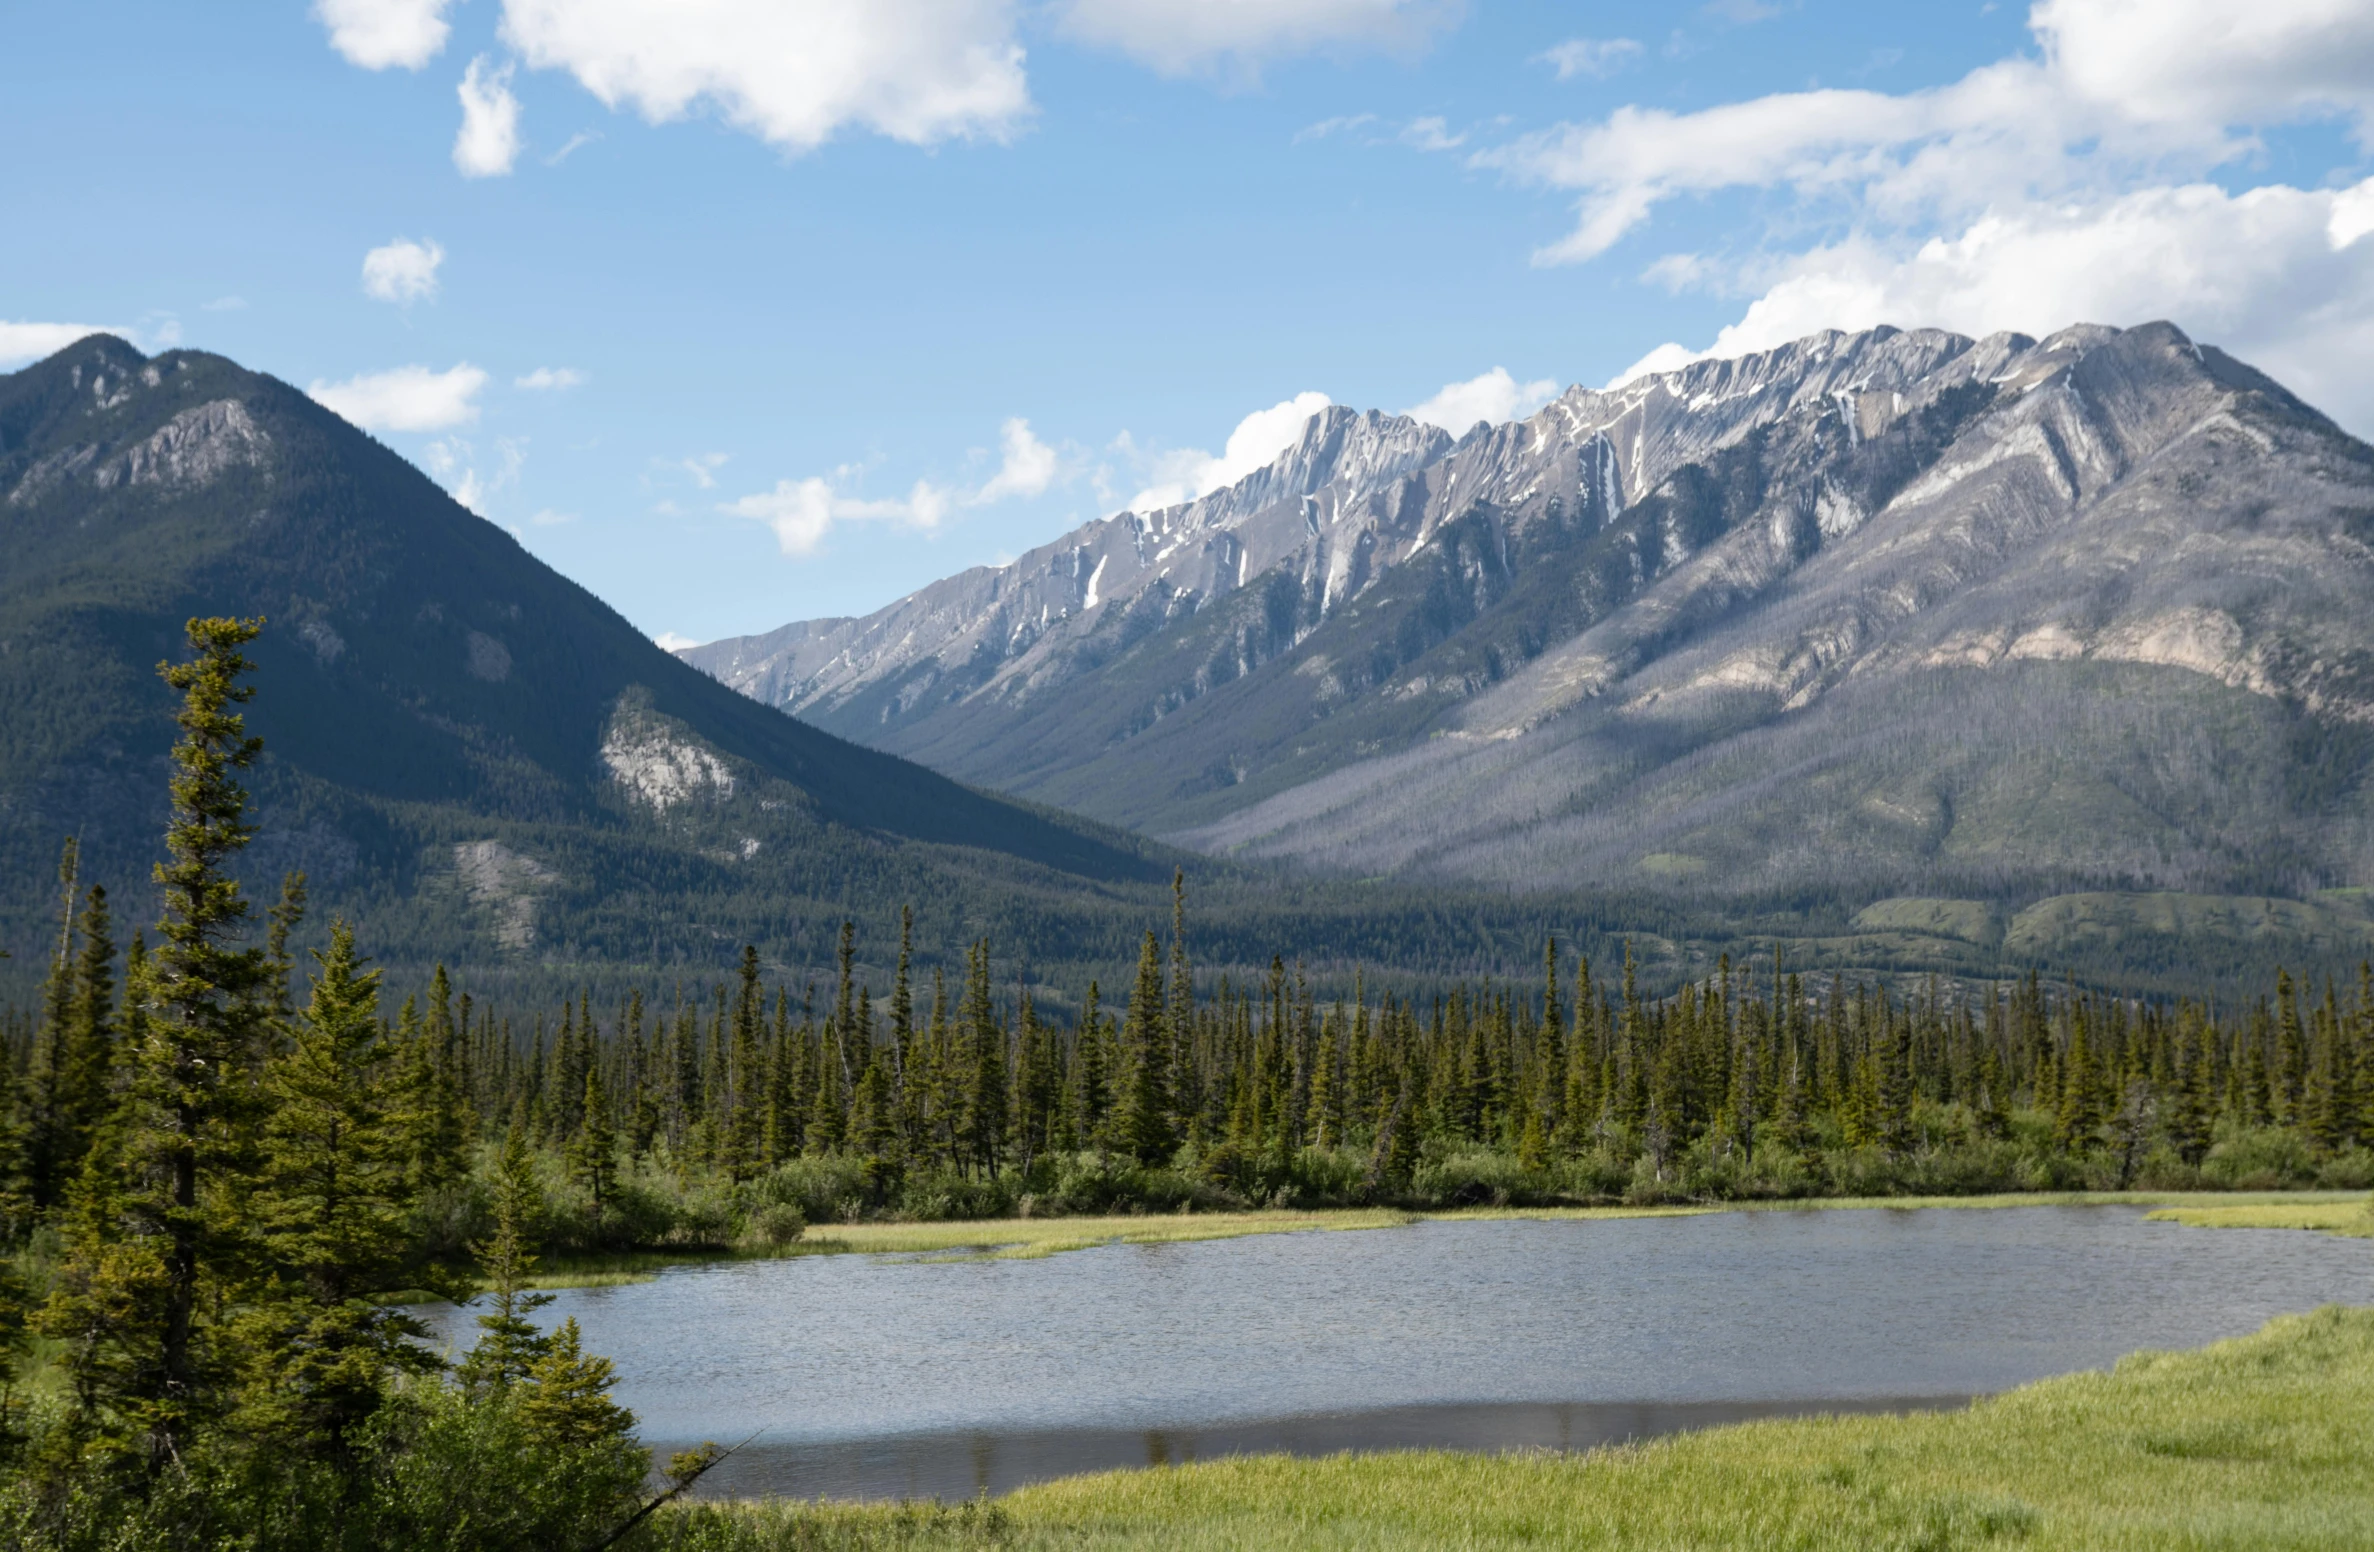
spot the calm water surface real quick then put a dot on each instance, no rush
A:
(886, 1376)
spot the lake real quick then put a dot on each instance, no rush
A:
(886, 1376)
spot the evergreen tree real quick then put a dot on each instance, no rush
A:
(509, 1343)
(1144, 1125)
(330, 1217)
(1092, 1098)
(982, 1126)
(190, 1128)
(566, 1401)
(48, 1100)
(593, 1155)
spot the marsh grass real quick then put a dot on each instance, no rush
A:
(1022, 1239)
(2351, 1218)
(2255, 1442)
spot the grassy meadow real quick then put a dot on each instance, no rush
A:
(2261, 1441)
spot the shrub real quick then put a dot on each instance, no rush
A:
(2263, 1158)
(774, 1226)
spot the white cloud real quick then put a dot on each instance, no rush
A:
(548, 518)
(403, 271)
(792, 72)
(224, 304)
(1186, 473)
(31, 341)
(703, 468)
(1595, 57)
(802, 512)
(1431, 134)
(669, 641)
(1342, 123)
(455, 461)
(407, 398)
(547, 378)
(2193, 61)
(2124, 88)
(378, 33)
(488, 142)
(1029, 465)
(1181, 37)
(575, 143)
(1493, 397)
(2282, 277)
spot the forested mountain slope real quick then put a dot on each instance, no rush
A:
(477, 755)
(1895, 613)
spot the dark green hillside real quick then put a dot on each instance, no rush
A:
(436, 703)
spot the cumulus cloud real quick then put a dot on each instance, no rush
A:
(802, 512)
(407, 398)
(378, 33)
(1186, 473)
(1183, 37)
(1493, 397)
(1029, 465)
(1595, 57)
(488, 142)
(2184, 62)
(21, 342)
(403, 271)
(669, 641)
(2122, 89)
(545, 379)
(792, 72)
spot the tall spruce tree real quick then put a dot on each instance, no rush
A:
(329, 1214)
(177, 1249)
(1145, 1127)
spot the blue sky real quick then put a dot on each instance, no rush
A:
(748, 311)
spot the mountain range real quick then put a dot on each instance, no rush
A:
(1936, 630)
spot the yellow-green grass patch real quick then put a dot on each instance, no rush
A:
(2255, 1442)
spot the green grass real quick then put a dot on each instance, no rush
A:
(1018, 1239)
(2351, 1217)
(2255, 1442)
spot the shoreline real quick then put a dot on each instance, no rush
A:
(1015, 1239)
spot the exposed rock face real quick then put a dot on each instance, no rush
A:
(506, 885)
(1895, 605)
(661, 765)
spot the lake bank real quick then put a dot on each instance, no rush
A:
(1030, 1238)
(2253, 1441)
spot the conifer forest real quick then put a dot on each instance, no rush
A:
(229, 1164)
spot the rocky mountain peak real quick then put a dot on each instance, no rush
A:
(1509, 655)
